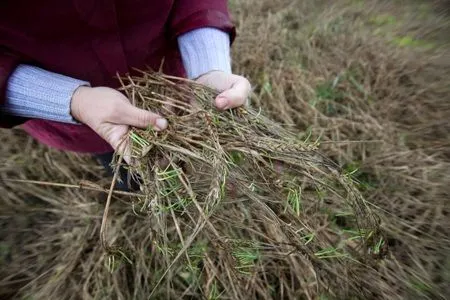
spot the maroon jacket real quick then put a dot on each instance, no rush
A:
(92, 40)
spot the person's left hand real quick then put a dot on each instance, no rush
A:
(234, 89)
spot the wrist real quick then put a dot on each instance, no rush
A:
(77, 102)
(206, 74)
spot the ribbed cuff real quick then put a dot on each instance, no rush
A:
(204, 50)
(36, 93)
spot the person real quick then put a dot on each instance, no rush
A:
(59, 60)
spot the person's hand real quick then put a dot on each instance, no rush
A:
(234, 89)
(109, 113)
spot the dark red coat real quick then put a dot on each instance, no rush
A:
(92, 40)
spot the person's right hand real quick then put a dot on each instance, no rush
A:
(109, 113)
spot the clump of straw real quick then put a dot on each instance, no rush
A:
(240, 198)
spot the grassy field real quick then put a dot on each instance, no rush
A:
(368, 79)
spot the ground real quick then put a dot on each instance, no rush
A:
(367, 79)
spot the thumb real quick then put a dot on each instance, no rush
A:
(235, 96)
(141, 118)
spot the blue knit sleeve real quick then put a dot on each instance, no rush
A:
(36, 93)
(203, 50)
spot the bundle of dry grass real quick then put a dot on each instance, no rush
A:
(234, 201)
(241, 209)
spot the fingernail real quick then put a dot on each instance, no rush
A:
(161, 124)
(221, 103)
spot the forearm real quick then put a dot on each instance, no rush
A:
(203, 50)
(32, 92)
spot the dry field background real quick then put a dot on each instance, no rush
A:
(369, 79)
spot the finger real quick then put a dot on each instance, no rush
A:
(133, 116)
(116, 136)
(235, 96)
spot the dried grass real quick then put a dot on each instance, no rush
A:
(196, 235)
